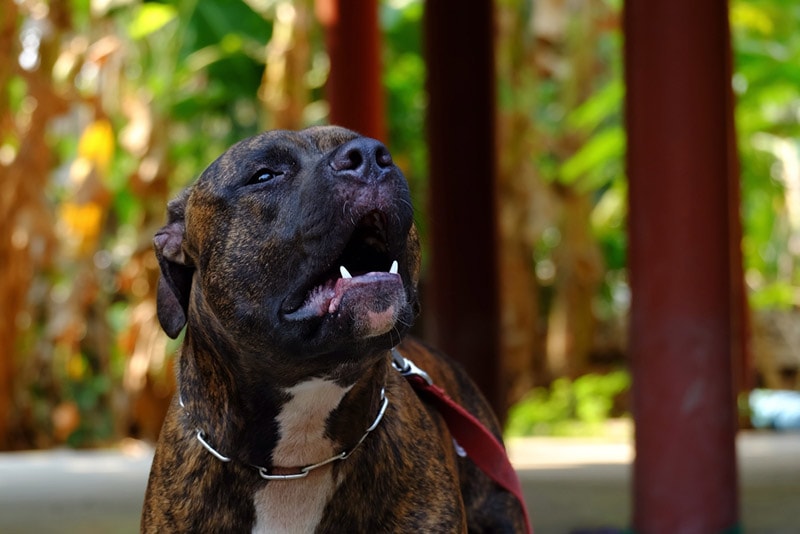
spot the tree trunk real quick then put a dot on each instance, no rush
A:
(284, 91)
(524, 206)
(580, 268)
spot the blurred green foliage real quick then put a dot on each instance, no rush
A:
(569, 408)
(767, 87)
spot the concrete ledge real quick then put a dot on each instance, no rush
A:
(583, 485)
(571, 485)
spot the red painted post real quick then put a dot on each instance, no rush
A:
(682, 313)
(354, 89)
(461, 302)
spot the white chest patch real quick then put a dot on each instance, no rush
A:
(297, 505)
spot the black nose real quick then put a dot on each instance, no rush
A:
(362, 159)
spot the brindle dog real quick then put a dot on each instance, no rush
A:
(292, 263)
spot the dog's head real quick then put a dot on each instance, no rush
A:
(286, 245)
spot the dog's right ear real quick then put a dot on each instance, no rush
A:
(175, 282)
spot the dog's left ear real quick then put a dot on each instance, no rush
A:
(175, 282)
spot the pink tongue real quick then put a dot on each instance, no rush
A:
(326, 298)
(345, 284)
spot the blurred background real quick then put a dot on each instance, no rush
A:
(109, 107)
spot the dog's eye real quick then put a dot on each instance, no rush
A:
(263, 176)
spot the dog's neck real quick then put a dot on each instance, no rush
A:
(265, 420)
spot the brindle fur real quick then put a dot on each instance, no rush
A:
(229, 257)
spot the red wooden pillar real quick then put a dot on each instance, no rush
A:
(460, 306)
(683, 332)
(354, 88)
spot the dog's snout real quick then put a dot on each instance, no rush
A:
(362, 158)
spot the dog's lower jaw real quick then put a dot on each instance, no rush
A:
(377, 323)
(374, 305)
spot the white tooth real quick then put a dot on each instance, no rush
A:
(393, 268)
(345, 272)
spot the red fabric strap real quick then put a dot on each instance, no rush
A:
(482, 447)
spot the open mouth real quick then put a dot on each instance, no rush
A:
(366, 260)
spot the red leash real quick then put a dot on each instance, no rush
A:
(483, 448)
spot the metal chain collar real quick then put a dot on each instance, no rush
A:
(403, 365)
(303, 471)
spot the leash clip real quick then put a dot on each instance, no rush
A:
(407, 368)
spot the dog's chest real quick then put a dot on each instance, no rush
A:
(293, 506)
(299, 505)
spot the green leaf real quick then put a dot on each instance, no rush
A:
(150, 18)
(602, 106)
(604, 147)
(778, 295)
(751, 17)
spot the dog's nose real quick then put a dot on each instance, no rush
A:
(363, 159)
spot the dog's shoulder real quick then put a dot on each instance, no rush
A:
(449, 375)
(488, 508)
